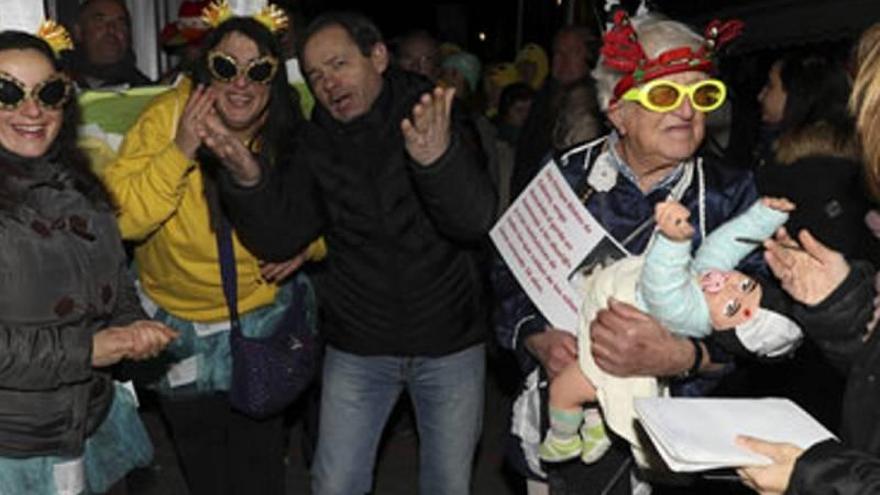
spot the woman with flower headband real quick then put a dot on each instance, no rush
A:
(68, 310)
(654, 85)
(165, 183)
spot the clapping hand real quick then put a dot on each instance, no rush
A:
(233, 154)
(198, 106)
(427, 132)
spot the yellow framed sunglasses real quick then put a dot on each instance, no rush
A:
(661, 95)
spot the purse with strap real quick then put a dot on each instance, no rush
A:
(269, 373)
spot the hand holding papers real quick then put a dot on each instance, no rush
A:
(700, 434)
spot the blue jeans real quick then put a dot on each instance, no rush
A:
(357, 396)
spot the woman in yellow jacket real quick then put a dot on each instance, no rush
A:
(165, 189)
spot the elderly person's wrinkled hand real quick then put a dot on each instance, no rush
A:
(771, 479)
(554, 349)
(427, 133)
(142, 339)
(233, 154)
(809, 271)
(629, 342)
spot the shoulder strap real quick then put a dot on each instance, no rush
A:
(228, 272)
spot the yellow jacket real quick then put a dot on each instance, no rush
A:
(163, 208)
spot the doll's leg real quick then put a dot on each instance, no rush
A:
(568, 391)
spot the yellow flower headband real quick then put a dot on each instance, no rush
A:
(55, 36)
(219, 11)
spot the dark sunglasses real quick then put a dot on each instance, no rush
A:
(50, 94)
(224, 68)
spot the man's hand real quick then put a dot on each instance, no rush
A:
(809, 275)
(277, 272)
(553, 348)
(774, 478)
(233, 154)
(427, 133)
(627, 342)
(198, 106)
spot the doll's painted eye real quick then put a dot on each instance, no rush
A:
(731, 308)
(748, 285)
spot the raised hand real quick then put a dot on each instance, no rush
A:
(233, 154)
(198, 106)
(809, 272)
(427, 133)
(672, 220)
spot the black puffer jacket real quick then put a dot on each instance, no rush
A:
(62, 278)
(838, 325)
(402, 275)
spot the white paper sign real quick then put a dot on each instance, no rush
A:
(544, 237)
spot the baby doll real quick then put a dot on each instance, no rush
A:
(689, 296)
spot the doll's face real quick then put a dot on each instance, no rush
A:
(732, 297)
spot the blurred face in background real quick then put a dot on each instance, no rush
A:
(569, 58)
(773, 96)
(421, 55)
(103, 32)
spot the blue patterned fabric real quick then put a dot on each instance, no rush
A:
(118, 445)
(213, 352)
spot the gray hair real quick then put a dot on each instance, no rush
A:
(657, 34)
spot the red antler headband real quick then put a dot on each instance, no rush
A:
(622, 51)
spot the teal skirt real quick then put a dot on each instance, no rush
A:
(118, 445)
(212, 354)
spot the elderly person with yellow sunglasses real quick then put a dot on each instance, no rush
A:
(654, 83)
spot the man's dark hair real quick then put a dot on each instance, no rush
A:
(64, 150)
(361, 29)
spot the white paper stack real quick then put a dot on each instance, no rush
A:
(697, 434)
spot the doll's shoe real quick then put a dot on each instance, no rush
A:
(595, 440)
(555, 449)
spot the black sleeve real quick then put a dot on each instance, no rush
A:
(828, 468)
(839, 323)
(457, 191)
(281, 215)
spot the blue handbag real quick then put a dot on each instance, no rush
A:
(269, 373)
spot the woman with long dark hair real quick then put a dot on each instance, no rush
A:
(68, 310)
(165, 184)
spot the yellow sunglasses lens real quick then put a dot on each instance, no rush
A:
(707, 96)
(664, 96)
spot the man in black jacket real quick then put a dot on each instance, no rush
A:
(387, 174)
